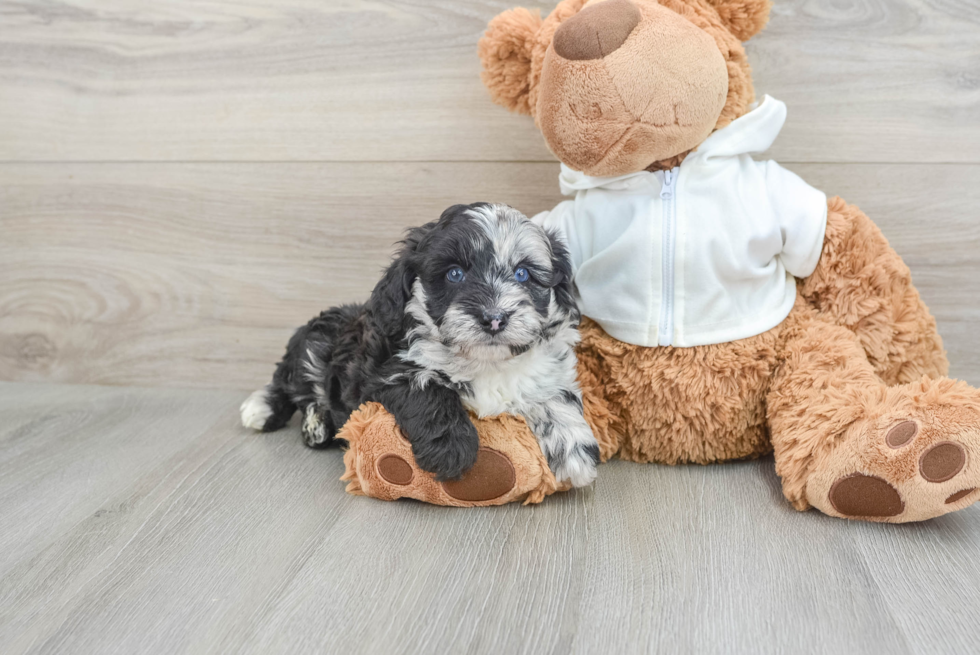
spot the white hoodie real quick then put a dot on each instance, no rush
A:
(705, 253)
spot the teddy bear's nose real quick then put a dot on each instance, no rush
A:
(596, 31)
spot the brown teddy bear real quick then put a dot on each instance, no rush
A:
(733, 310)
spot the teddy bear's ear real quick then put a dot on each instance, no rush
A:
(745, 18)
(505, 51)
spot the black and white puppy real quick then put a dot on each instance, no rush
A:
(475, 313)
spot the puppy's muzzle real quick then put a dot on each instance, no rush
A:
(494, 321)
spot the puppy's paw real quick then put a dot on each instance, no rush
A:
(256, 410)
(577, 466)
(448, 451)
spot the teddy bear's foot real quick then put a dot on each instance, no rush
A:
(509, 465)
(918, 460)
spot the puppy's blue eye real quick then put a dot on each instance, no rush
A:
(521, 274)
(455, 274)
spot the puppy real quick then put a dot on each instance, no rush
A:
(475, 313)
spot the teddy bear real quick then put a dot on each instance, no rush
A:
(730, 310)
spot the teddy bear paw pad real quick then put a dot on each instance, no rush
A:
(860, 495)
(395, 470)
(960, 495)
(942, 462)
(491, 477)
(902, 434)
(906, 470)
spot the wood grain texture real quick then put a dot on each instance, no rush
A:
(195, 275)
(146, 520)
(355, 80)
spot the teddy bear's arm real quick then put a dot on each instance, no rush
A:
(862, 284)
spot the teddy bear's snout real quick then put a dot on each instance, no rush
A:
(596, 31)
(615, 92)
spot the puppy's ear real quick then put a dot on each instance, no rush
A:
(505, 51)
(744, 18)
(561, 280)
(393, 291)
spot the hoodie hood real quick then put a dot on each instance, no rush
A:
(752, 133)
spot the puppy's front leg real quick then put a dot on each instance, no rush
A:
(443, 438)
(565, 438)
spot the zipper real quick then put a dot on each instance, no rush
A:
(667, 195)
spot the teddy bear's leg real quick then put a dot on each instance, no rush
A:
(602, 413)
(862, 284)
(852, 446)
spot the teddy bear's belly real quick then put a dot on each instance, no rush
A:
(701, 405)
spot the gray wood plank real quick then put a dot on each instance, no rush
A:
(55, 449)
(195, 275)
(871, 81)
(256, 80)
(712, 559)
(124, 539)
(202, 538)
(108, 271)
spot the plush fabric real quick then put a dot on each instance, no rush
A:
(848, 392)
(379, 463)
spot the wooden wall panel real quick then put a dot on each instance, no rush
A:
(194, 275)
(380, 80)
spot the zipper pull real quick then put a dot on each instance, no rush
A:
(667, 190)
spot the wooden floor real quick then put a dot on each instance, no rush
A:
(148, 521)
(183, 182)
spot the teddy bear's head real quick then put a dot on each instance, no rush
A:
(619, 86)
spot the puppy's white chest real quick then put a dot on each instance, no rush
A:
(504, 389)
(493, 394)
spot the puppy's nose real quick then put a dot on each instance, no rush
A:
(493, 320)
(596, 31)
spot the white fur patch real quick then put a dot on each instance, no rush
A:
(578, 468)
(516, 384)
(255, 410)
(313, 429)
(315, 373)
(514, 237)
